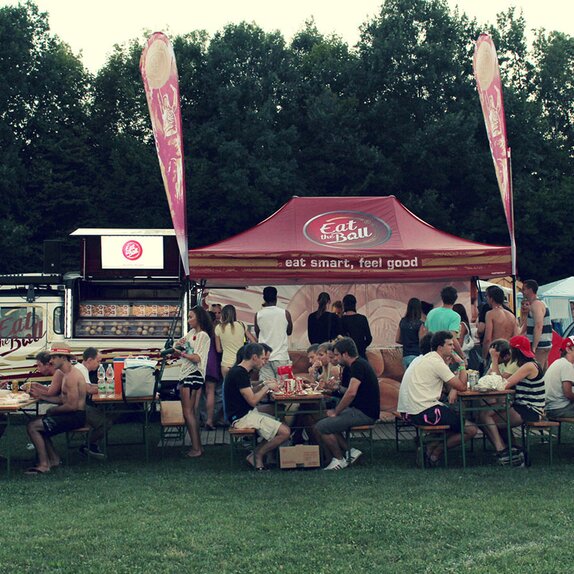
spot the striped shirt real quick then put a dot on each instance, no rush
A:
(546, 335)
(531, 392)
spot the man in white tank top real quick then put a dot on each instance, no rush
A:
(273, 325)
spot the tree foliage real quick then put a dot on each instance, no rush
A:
(265, 119)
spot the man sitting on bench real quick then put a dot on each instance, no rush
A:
(360, 405)
(421, 389)
(241, 405)
(68, 415)
(558, 381)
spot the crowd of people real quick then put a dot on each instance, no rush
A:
(439, 345)
(499, 344)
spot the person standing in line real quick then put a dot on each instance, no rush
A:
(230, 336)
(444, 318)
(273, 325)
(337, 308)
(194, 356)
(355, 325)
(322, 325)
(410, 331)
(538, 324)
(499, 322)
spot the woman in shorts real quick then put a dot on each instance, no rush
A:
(194, 351)
(528, 384)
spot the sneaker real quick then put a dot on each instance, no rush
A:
(337, 464)
(515, 457)
(93, 451)
(353, 454)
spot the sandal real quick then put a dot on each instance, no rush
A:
(35, 471)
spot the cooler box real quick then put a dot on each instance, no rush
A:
(118, 369)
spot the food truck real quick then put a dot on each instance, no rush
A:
(129, 297)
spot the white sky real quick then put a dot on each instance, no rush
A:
(93, 27)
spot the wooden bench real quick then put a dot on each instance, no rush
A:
(401, 426)
(363, 431)
(172, 422)
(560, 420)
(529, 427)
(236, 435)
(71, 443)
(424, 431)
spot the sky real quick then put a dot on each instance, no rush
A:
(94, 27)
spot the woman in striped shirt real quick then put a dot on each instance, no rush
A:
(527, 380)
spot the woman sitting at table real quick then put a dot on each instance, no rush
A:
(527, 380)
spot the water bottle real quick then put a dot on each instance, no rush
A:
(101, 381)
(110, 380)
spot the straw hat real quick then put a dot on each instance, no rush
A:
(60, 349)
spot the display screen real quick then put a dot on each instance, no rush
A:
(136, 252)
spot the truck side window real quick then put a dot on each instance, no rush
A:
(21, 322)
(58, 320)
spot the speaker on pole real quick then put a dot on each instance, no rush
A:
(52, 257)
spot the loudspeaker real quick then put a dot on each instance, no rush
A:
(52, 257)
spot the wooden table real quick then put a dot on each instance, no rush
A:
(9, 410)
(466, 403)
(297, 398)
(117, 401)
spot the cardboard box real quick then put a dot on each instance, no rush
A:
(300, 456)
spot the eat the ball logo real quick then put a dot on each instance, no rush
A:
(132, 250)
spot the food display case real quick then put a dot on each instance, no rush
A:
(131, 319)
(130, 288)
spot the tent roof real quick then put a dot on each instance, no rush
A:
(344, 240)
(560, 288)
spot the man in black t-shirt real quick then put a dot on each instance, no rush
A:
(359, 406)
(241, 404)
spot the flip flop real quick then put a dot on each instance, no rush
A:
(34, 471)
(209, 427)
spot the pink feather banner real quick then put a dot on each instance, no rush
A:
(159, 74)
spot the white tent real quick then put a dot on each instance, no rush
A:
(559, 296)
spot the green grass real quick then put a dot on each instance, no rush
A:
(181, 515)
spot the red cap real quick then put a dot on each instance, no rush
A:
(522, 343)
(567, 343)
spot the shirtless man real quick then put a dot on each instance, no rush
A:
(500, 323)
(46, 369)
(68, 415)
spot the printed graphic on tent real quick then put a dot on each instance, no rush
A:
(317, 240)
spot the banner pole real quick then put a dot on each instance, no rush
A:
(511, 230)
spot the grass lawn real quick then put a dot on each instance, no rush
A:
(183, 515)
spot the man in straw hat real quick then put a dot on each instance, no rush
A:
(68, 415)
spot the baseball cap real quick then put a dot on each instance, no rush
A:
(567, 343)
(522, 343)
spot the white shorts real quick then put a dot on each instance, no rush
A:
(266, 425)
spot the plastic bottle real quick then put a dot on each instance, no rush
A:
(101, 381)
(110, 380)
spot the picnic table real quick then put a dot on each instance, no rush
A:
(475, 401)
(20, 404)
(117, 404)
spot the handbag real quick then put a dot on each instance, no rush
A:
(468, 342)
(139, 378)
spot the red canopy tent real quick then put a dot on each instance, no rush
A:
(317, 240)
